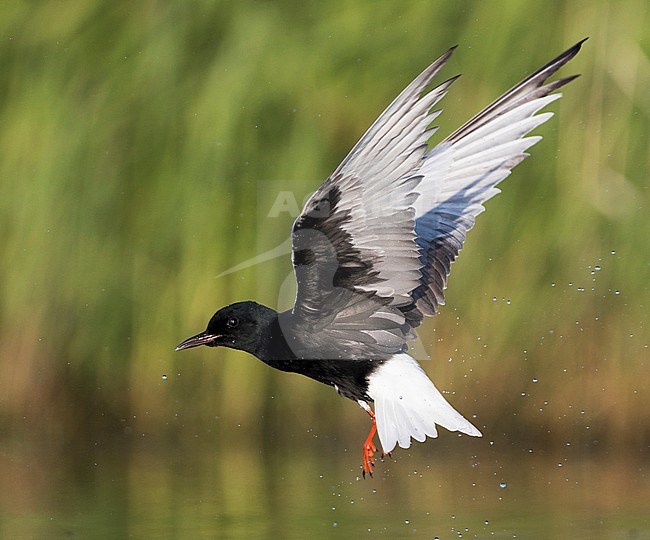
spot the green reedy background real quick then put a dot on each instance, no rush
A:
(144, 144)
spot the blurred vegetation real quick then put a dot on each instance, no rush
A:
(144, 144)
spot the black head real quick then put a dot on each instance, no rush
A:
(238, 326)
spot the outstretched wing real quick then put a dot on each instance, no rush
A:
(354, 246)
(374, 245)
(462, 172)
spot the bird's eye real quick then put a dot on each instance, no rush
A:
(232, 322)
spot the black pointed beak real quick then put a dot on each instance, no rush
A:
(199, 339)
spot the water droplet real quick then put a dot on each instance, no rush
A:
(164, 377)
(503, 485)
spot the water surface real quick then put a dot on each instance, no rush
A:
(450, 488)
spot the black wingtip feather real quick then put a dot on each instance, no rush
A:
(571, 51)
(553, 86)
(554, 65)
(533, 86)
(444, 86)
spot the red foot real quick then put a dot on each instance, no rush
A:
(369, 448)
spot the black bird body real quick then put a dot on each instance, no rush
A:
(372, 250)
(265, 339)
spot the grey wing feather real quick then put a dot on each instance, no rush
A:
(373, 246)
(357, 231)
(462, 172)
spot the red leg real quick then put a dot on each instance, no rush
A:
(369, 448)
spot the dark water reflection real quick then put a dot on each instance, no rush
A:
(450, 488)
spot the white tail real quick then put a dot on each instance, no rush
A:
(408, 405)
